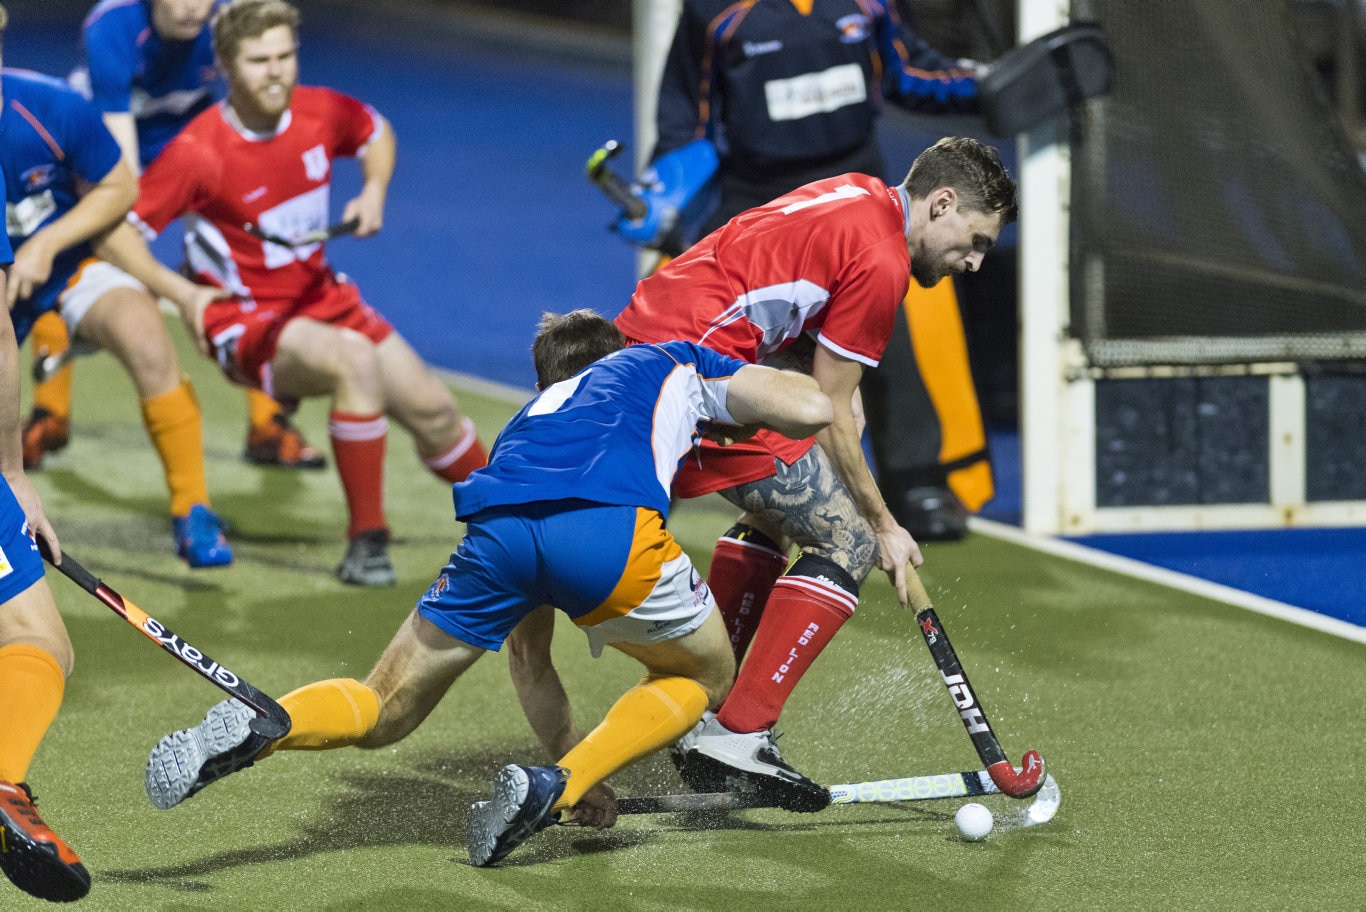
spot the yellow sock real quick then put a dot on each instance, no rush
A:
(54, 394)
(31, 688)
(328, 714)
(173, 422)
(261, 409)
(655, 713)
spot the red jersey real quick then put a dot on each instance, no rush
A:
(221, 176)
(829, 258)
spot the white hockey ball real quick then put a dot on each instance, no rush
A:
(974, 821)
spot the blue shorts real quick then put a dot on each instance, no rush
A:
(20, 564)
(616, 571)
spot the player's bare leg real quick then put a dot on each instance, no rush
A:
(317, 359)
(424, 405)
(127, 322)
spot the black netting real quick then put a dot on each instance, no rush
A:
(1219, 211)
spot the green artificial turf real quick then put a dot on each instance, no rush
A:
(1207, 757)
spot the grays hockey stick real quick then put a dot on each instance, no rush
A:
(617, 188)
(1017, 782)
(880, 791)
(272, 720)
(316, 236)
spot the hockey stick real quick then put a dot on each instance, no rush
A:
(272, 721)
(616, 187)
(880, 791)
(1016, 782)
(316, 236)
(47, 365)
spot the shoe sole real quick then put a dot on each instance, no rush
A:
(490, 821)
(34, 867)
(180, 759)
(318, 462)
(706, 773)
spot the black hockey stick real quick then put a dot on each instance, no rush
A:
(1019, 782)
(272, 721)
(316, 236)
(617, 188)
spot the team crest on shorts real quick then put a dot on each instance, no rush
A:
(6, 568)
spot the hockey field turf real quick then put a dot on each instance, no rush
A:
(1206, 756)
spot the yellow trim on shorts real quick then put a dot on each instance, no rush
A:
(651, 548)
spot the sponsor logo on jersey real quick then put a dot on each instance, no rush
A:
(38, 177)
(316, 163)
(815, 93)
(853, 29)
(757, 48)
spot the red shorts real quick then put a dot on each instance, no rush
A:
(714, 468)
(244, 334)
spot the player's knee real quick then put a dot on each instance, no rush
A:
(750, 534)
(814, 566)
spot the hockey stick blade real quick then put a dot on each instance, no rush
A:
(881, 791)
(316, 236)
(272, 720)
(616, 187)
(47, 365)
(1017, 783)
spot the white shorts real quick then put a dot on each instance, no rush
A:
(678, 605)
(91, 282)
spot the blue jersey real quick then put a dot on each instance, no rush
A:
(50, 138)
(127, 68)
(615, 433)
(6, 252)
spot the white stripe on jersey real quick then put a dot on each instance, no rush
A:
(777, 311)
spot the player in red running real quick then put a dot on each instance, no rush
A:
(812, 280)
(290, 325)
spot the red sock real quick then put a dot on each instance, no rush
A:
(358, 447)
(801, 616)
(744, 566)
(464, 456)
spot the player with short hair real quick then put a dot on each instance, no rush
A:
(35, 651)
(66, 185)
(148, 66)
(813, 278)
(571, 512)
(290, 325)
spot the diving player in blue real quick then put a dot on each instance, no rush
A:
(66, 185)
(570, 514)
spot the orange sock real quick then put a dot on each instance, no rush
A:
(328, 714)
(261, 410)
(358, 447)
(653, 714)
(50, 337)
(466, 455)
(174, 424)
(31, 688)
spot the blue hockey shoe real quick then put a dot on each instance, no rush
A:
(520, 807)
(199, 538)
